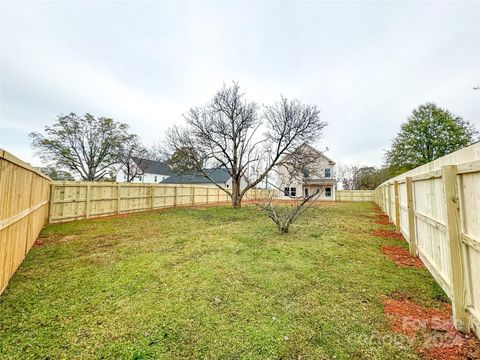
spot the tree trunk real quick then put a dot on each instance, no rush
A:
(236, 202)
(236, 199)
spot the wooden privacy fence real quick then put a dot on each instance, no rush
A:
(73, 200)
(24, 195)
(437, 209)
(355, 195)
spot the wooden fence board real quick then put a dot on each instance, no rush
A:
(354, 195)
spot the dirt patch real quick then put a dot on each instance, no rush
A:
(376, 208)
(401, 256)
(431, 330)
(39, 242)
(382, 219)
(388, 234)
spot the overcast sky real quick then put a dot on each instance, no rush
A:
(366, 65)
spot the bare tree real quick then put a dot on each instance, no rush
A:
(284, 215)
(224, 133)
(134, 157)
(295, 168)
(347, 176)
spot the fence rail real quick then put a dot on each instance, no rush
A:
(355, 195)
(437, 209)
(24, 198)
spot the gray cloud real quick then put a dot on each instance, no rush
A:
(366, 65)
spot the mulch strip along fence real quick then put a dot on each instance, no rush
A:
(431, 330)
(401, 256)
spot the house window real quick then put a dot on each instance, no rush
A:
(306, 192)
(291, 192)
(227, 185)
(328, 173)
(155, 178)
(328, 192)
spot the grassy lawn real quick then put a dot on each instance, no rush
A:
(210, 283)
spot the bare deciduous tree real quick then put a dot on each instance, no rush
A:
(134, 157)
(284, 215)
(347, 176)
(226, 133)
(296, 167)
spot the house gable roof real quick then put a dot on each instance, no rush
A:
(220, 176)
(152, 167)
(311, 148)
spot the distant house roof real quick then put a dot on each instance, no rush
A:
(220, 176)
(153, 167)
(311, 148)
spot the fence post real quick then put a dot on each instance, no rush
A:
(118, 198)
(389, 193)
(206, 200)
(459, 291)
(397, 206)
(384, 201)
(51, 199)
(412, 236)
(87, 203)
(175, 195)
(152, 191)
(193, 195)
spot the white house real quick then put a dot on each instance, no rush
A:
(149, 171)
(220, 176)
(306, 171)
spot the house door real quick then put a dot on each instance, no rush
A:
(306, 192)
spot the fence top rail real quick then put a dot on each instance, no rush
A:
(356, 191)
(66, 183)
(62, 183)
(469, 167)
(464, 168)
(14, 160)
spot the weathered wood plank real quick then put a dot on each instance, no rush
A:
(459, 290)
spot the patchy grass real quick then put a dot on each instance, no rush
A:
(211, 283)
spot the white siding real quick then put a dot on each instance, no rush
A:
(144, 178)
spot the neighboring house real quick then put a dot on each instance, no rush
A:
(219, 176)
(149, 171)
(306, 171)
